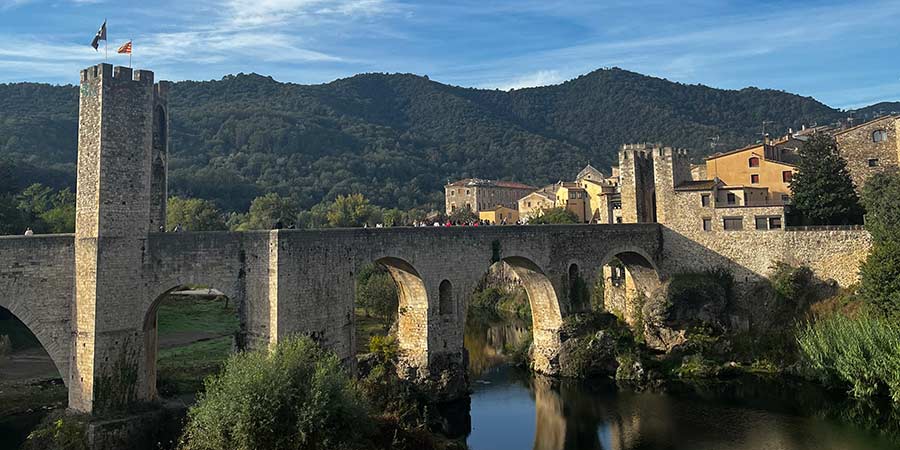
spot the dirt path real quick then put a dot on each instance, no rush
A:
(30, 364)
(184, 338)
(35, 363)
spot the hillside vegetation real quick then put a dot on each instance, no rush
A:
(398, 138)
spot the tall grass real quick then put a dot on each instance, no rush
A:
(862, 352)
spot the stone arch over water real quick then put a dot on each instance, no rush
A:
(546, 315)
(412, 317)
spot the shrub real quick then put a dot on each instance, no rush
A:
(862, 352)
(59, 432)
(295, 397)
(791, 284)
(385, 348)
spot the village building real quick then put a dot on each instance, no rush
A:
(499, 215)
(479, 195)
(870, 148)
(534, 204)
(767, 165)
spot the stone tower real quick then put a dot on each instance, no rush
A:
(636, 174)
(118, 135)
(671, 167)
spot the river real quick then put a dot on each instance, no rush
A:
(511, 409)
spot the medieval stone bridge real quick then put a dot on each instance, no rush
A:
(91, 298)
(288, 282)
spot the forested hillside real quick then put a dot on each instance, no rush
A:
(398, 138)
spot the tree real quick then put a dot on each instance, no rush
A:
(823, 192)
(194, 214)
(352, 210)
(555, 216)
(60, 218)
(880, 273)
(463, 215)
(268, 211)
(376, 292)
(296, 396)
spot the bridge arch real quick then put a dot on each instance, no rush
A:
(48, 342)
(412, 310)
(546, 312)
(149, 370)
(629, 275)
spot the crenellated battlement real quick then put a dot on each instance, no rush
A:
(670, 152)
(105, 71)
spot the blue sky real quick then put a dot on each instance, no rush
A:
(843, 53)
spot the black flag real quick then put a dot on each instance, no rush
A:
(101, 36)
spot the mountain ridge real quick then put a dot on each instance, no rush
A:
(398, 138)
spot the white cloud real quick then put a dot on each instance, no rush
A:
(539, 78)
(9, 4)
(257, 13)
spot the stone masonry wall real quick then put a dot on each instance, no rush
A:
(857, 147)
(37, 284)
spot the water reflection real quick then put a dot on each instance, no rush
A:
(511, 409)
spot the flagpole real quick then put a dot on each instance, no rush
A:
(105, 46)
(130, 41)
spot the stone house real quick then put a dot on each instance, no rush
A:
(533, 204)
(870, 148)
(479, 195)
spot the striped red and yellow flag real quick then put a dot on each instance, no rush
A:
(125, 48)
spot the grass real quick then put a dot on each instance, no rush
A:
(179, 313)
(366, 327)
(182, 369)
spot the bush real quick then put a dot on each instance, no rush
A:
(59, 432)
(862, 352)
(295, 397)
(791, 284)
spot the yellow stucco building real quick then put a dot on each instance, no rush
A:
(499, 215)
(756, 166)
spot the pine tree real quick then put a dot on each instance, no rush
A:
(823, 192)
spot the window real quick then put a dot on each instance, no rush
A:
(467, 192)
(707, 224)
(754, 179)
(785, 198)
(873, 162)
(618, 220)
(754, 162)
(445, 298)
(704, 199)
(774, 223)
(572, 195)
(762, 223)
(529, 204)
(732, 199)
(879, 136)
(733, 223)
(787, 176)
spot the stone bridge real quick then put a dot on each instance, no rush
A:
(91, 298)
(303, 282)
